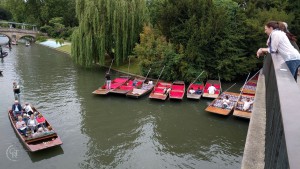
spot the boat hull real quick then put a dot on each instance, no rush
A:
(217, 84)
(36, 144)
(216, 105)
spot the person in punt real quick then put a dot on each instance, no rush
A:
(39, 133)
(211, 89)
(17, 109)
(134, 83)
(192, 91)
(247, 104)
(108, 80)
(32, 123)
(17, 91)
(28, 109)
(167, 90)
(21, 126)
(41, 121)
(225, 102)
(198, 91)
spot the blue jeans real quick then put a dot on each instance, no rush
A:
(23, 131)
(293, 66)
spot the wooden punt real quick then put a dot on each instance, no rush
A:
(216, 105)
(250, 86)
(159, 90)
(48, 140)
(238, 110)
(114, 84)
(128, 86)
(195, 86)
(177, 90)
(139, 92)
(217, 84)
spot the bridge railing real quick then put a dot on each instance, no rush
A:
(18, 30)
(273, 139)
(282, 146)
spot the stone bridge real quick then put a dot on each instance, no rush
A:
(16, 31)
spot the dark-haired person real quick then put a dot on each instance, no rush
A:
(293, 39)
(278, 42)
(108, 81)
(17, 91)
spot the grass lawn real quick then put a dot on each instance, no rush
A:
(65, 48)
(134, 67)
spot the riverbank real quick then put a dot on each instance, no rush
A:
(51, 43)
(66, 48)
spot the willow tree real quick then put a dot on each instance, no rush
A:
(107, 28)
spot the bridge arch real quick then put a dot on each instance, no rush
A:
(15, 33)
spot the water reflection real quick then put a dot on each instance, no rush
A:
(112, 131)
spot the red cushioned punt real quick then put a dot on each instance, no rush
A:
(115, 85)
(196, 86)
(120, 80)
(177, 87)
(176, 94)
(159, 90)
(217, 86)
(126, 87)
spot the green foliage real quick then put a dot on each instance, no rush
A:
(107, 28)
(155, 52)
(41, 38)
(209, 34)
(5, 14)
(56, 29)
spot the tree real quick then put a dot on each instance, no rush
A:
(5, 14)
(107, 28)
(210, 35)
(155, 52)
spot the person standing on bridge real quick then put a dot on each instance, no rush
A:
(278, 42)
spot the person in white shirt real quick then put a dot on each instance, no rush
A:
(225, 102)
(21, 126)
(192, 91)
(32, 123)
(211, 89)
(28, 109)
(278, 42)
(247, 104)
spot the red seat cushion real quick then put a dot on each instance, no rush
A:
(177, 87)
(217, 86)
(158, 90)
(196, 86)
(176, 93)
(126, 87)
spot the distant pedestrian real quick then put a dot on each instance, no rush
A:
(17, 91)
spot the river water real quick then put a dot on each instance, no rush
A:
(111, 131)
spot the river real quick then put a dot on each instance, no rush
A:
(111, 131)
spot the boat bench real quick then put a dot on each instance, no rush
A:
(31, 140)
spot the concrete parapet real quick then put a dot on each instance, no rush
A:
(254, 152)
